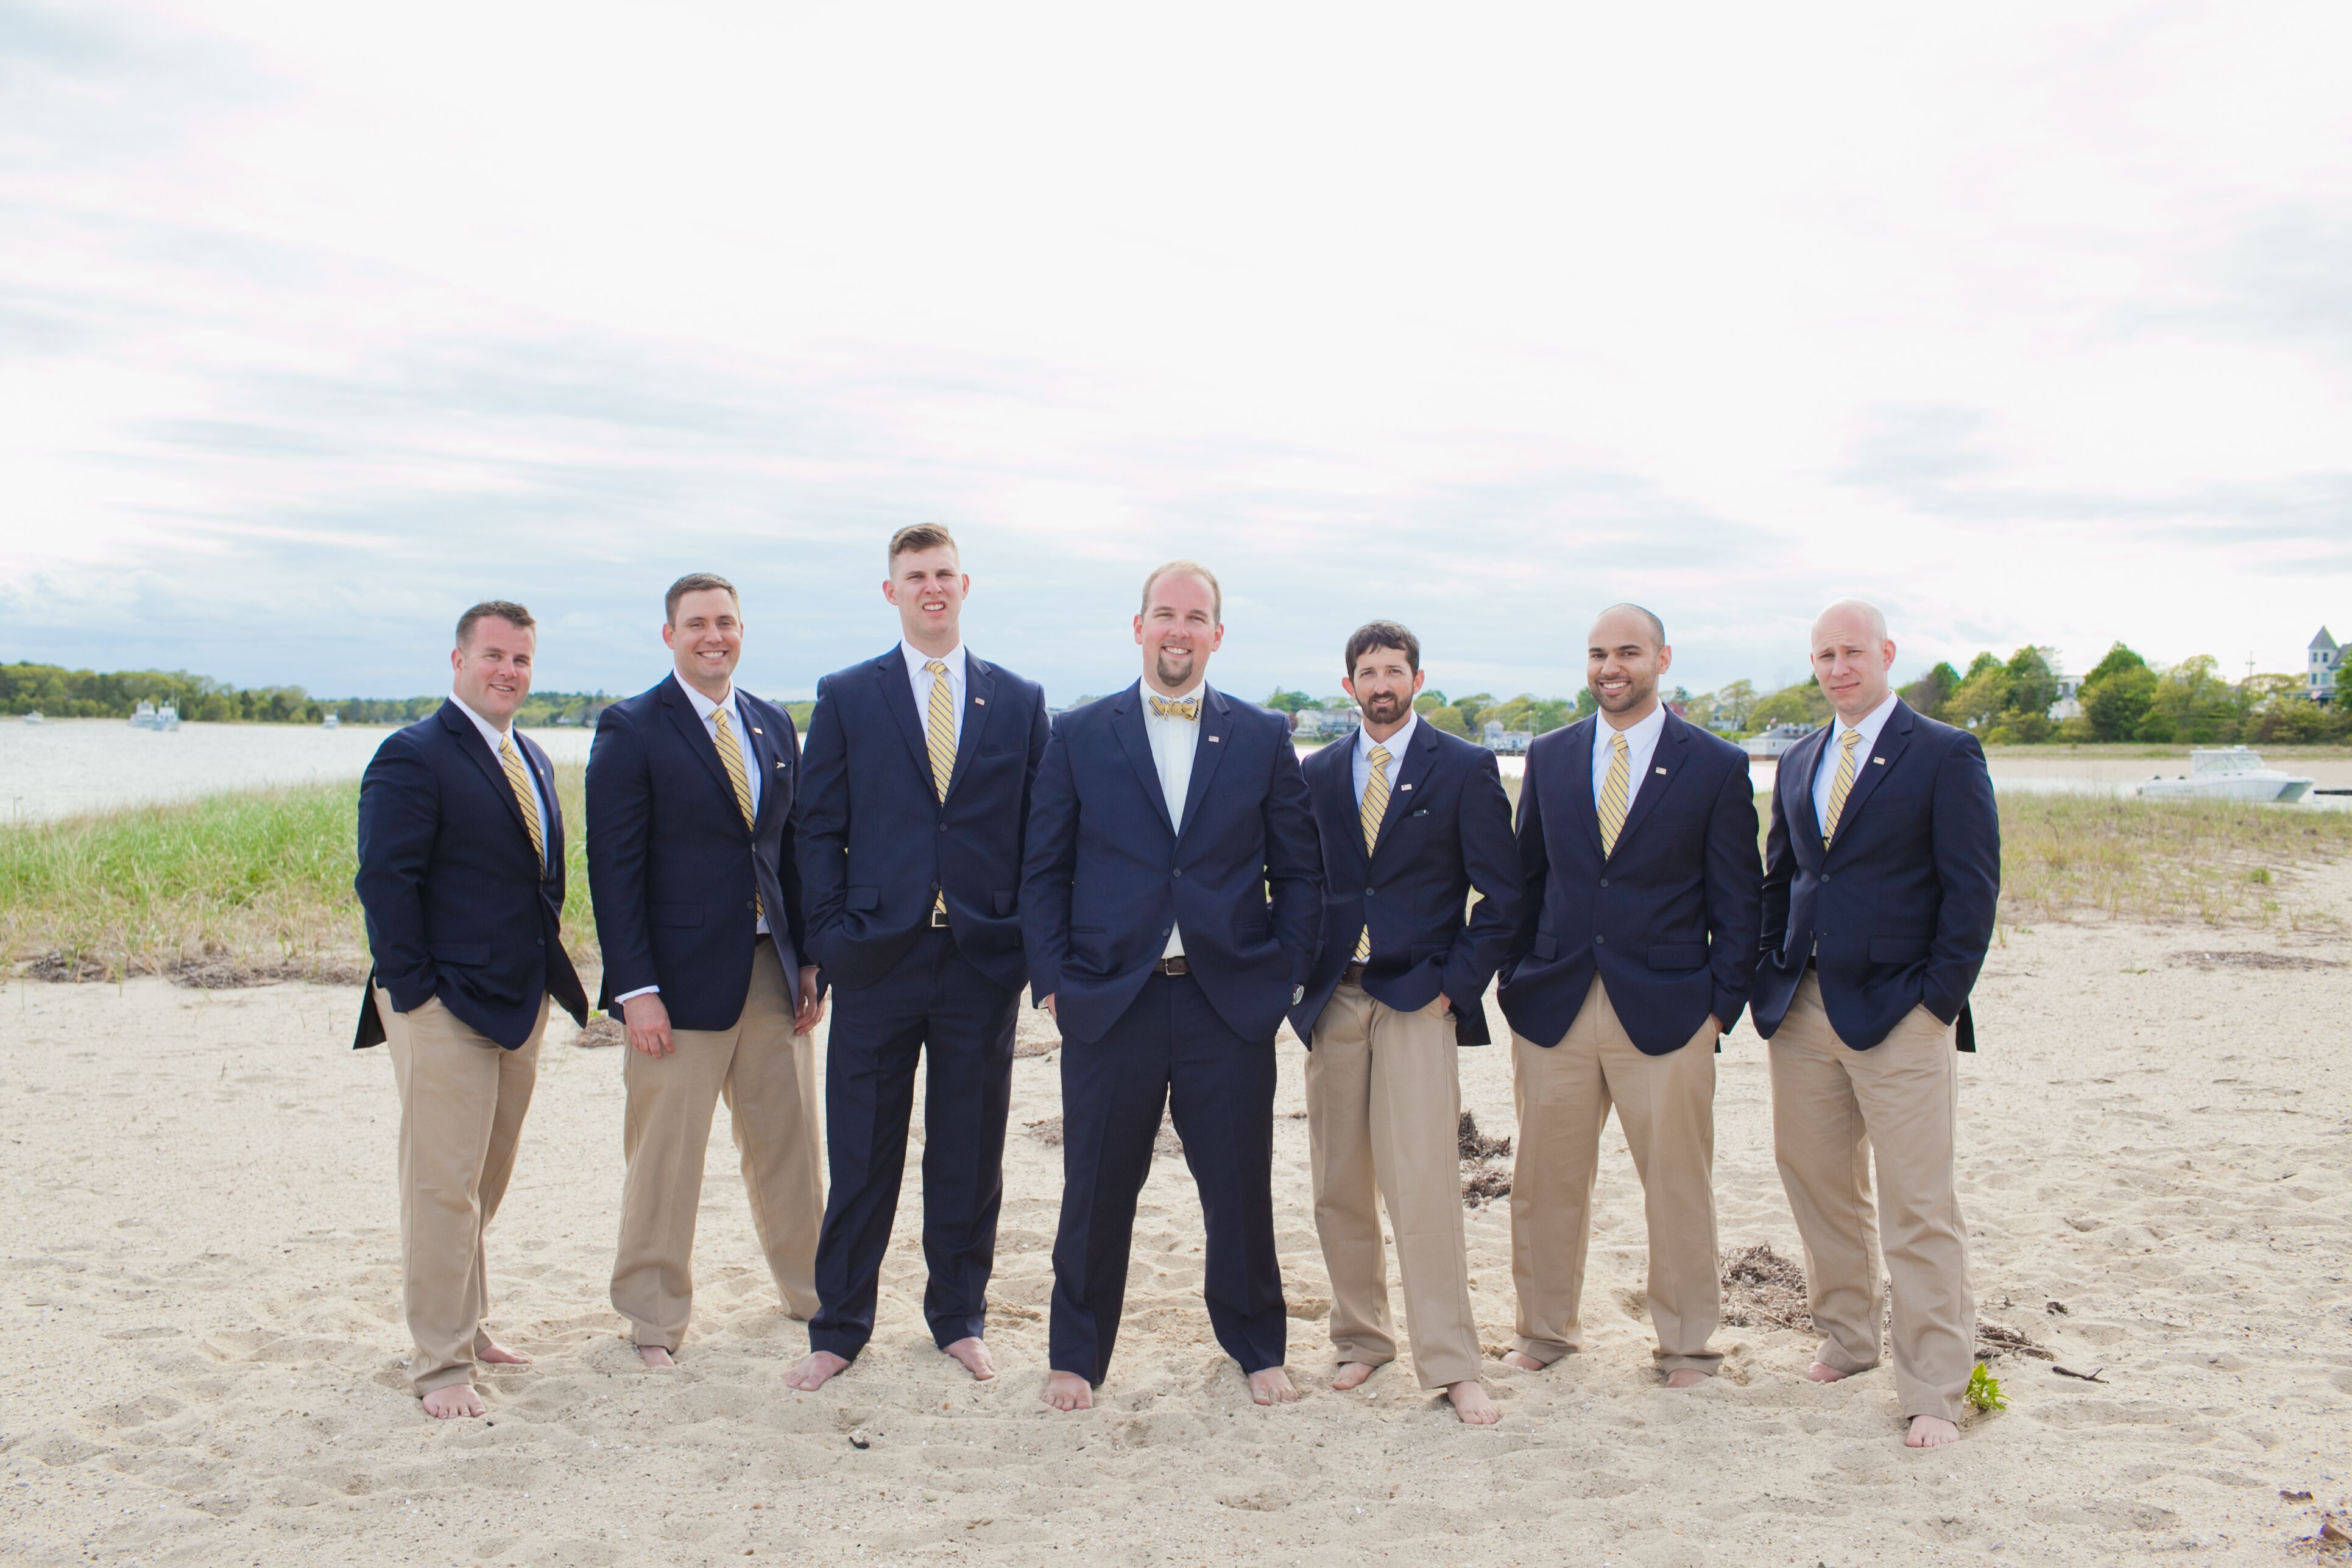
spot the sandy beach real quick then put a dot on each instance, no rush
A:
(205, 1348)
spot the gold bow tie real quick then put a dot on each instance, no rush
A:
(1190, 708)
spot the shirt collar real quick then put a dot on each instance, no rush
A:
(1870, 723)
(1395, 744)
(916, 659)
(491, 731)
(1637, 734)
(703, 708)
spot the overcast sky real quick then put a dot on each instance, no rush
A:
(318, 322)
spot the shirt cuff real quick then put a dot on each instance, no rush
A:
(623, 999)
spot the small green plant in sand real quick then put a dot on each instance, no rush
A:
(1984, 1390)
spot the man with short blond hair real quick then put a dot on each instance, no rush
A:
(461, 877)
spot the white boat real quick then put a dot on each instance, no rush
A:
(34, 718)
(2230, 772)
(333, 722)
(147, 716)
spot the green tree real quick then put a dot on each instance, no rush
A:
(2117, 693)
(2192, 703)
(2033, 674)
(1982, 697)
(1551, 714)
(1799, 704)
(1289, 701)
(1929, 693)
(1448, 718)
(1587, 705)
(1430, 701)
(1473, 709)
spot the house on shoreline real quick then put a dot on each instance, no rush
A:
(2322, 661)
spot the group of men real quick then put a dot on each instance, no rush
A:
(1171, 883)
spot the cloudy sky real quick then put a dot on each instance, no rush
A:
(316, 322)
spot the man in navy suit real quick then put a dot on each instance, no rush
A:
(1882, 879)
(698, 901)
(461, 875)
(914, 798)
(1411, 819)
(1162, 820)
(1634, 953)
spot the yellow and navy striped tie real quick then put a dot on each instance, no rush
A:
(1614, 794)
(518, 780)
(1376, 807)
(1840, 786)
(731, 757)
(942, 745)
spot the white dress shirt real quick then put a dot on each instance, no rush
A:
(1394, 746)
(1825, 766)
(703, 708)
(920, 679)
(1641, 745)
(1174, 741)
(492, 735)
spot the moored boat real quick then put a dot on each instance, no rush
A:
(2228, 772)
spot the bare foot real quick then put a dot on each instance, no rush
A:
(459, 1399)
(1271, 1386)
(654, 1356)
(1352, 1374)
(1068, 1391)
(1470, 1404)
(1931, 1432)
(973, 1354)
(1818, 1372)
(816, 1369)
(1686, 1377)
(1521, 1362)
(497, 1354)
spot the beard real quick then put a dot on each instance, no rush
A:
(1636, 692)
(1383, 708)
(1171, 675)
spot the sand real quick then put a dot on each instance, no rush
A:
(204, 1348)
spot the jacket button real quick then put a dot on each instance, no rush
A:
(750, 903)
(1605, 881)
(1826, 877)
(1370, 892)
(944, 828)
(1597, 938)
(1180, 871)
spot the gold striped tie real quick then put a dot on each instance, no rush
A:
(1376, 807)
(942, 745)
(731, 757)
(518, 780)
(1841, 785)
(1613, 794)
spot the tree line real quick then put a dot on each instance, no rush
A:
(57, 692)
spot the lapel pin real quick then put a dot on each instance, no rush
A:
(1880, 761)
(757, 731)
(1404, 786)
(1662, 773)
(1214, 739)
(980, 701)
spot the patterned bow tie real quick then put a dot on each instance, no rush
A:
(1190, 708)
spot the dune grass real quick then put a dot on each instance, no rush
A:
(2071, 857)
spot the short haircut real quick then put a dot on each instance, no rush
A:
(695, 583)
(1383, 634)
(1190, 569)
(495, 609)
(1657, 626)
(921, 536)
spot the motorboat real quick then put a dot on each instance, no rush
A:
(334, 720)
(35, 718)
(2228, 772)
(147, 716)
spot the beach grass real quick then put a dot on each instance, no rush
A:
(2074, 857)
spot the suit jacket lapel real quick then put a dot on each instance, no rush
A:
(536, 759)
(898, 696)
(1331, 777)
(470, 742)
(1793, 780)
(1665, 764)
(1208, 751)
(759, 756)
(1870, 764)
(1578, 783)
(698, 740)
(980, 685)
(1404, 778)
(1127, 719)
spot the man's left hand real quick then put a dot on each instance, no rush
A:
(812, 1007)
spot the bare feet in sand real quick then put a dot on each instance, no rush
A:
(1352, 1374)
(1271, 1386)
(459, 1399)
(1470, 1404)
(1068, 1391)
(973, 1355)
(497, 1354)
(816, 1369)
(1817, 1373)
(654, 1356)
(1931, 1431)
(1519, 1361)
(1686, 1377)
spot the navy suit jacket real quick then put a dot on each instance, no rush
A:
(1107, 876)
(1898, 912)
(1668, 918)
(458, 905)
(1447, 829)
(672, 871)
(875, 843)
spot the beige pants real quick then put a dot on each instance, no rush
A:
(1830, 1104)
(462, 1100)
(1383, 1110)
(768, 1077)
(1666, 1107)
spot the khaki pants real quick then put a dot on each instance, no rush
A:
(1830, 1105)
(462, 1099)
(768, 1076)
(1384, 1111)
(1666, 1107)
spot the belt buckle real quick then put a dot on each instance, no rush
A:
(939, 918)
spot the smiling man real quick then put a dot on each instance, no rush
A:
(698, 899)
(1170, 901)
(914, 798)
(1635, 952)
(461, 877)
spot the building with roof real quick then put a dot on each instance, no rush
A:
(2322, 661)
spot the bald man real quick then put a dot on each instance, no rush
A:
(1882, 876)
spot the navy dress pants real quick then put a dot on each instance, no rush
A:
(931, 1000)
(1169, 1049)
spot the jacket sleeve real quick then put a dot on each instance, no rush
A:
(1965, 833)
(788, 864)
(399, 817)
(1049, 860)
(1534, 867)
(1294, 862)
(1491, 860)
(620, 822)
(1735, 894)
(1780, 873)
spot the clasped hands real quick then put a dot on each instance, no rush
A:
(648, 1019)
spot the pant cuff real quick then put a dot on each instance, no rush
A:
(648, 1339)
(1363, 1354)
(1444, 1374)
(447, 1377)
(846, 1346)
(1837, 1361)
(1541, 1350)
(1709, 1363)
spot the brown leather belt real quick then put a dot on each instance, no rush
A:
(1175, 966)
(1352, 975)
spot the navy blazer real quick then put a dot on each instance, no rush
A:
(1898, 912)
(672, 871)
(458, 905)
(1107, 877)
(1669, 917)
(877, 845)
(1447, 830)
